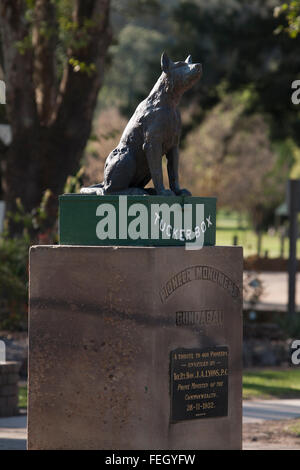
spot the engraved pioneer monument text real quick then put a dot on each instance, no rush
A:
(197, 273)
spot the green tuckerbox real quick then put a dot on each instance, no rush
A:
(136, 220)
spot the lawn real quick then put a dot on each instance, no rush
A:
(295, 428)
(231, 224)
(260, 383)
(23, 396)
(269, 383)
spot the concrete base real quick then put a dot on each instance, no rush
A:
(104, 325)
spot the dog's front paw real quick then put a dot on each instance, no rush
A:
(88, 191)
(183, 192)
(165, 192)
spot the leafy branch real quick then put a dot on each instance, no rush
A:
(291, 11)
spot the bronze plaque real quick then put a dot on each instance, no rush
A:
(199, 383)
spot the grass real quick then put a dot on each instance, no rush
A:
(268, 383)
(295, 428)
(230, 225)
(248, 239)
(260, 383)
(23, 397)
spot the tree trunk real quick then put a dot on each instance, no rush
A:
(50, 124)
(259, 243)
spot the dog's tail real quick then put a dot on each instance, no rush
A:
(95, 189)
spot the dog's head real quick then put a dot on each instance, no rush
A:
(182, 75)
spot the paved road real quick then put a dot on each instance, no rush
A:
(13, 430)
(13, 433)
(256, 411)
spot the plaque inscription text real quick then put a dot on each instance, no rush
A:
(199, 383)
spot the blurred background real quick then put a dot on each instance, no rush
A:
(74, 73)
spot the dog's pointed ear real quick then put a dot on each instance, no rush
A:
(189, 59)
(165, 62)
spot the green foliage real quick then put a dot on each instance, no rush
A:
(13, 282)
(291, 10)
(37, 227)
(137, 66)
(74, 183)
(295, 154)
(243, 99)
(68, 34)
(24, 45)
(79, 66)
(229, 156)
(290, 326)
(38, 223)
(22, 397)
(234, 40)
(286, 151)
(74, 35)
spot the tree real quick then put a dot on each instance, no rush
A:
(230, 156)
(291, 10)
(137, 67)
(235, 42)
(53, 56)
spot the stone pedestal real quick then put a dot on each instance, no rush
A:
(135, 348)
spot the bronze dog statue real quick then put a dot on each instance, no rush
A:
(152, 132)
